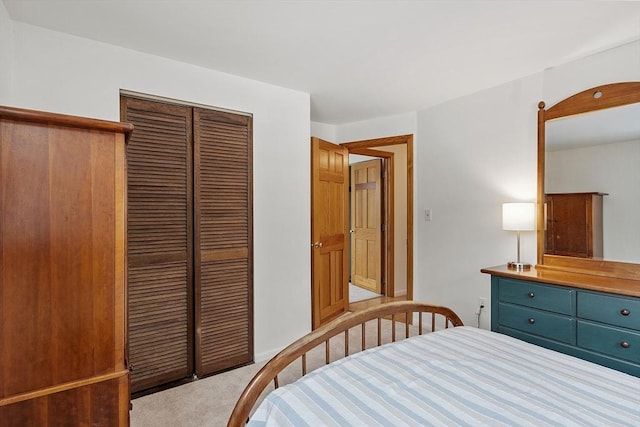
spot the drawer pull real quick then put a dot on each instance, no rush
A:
(531, 320)
(531, 295)
(624, 344)
(625, 312)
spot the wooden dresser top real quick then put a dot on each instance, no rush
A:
(590, 282)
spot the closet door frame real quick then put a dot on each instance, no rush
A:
(198, 368)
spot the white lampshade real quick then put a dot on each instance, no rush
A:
(518, 216)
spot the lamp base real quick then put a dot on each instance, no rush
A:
(519, 266)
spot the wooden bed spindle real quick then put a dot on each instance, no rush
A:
(406, 324)
(393, 328)
(346, 343)
(304, 364)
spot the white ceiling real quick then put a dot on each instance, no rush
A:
(357, 59)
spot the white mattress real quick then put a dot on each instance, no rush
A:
(458, 376)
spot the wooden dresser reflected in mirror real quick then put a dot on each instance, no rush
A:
(598, 118)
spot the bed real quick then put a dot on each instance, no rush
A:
(452, 375)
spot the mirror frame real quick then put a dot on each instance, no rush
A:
(611, 95)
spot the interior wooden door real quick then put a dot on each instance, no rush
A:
(160, 245)
(223, 240)
(329, 230)
(366, 223)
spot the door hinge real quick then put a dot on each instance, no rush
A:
(383, 227)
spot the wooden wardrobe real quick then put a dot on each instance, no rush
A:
(62, 271)
(574, 224)
(190, 251)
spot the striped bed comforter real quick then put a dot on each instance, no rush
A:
(458, 376)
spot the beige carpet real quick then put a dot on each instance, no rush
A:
(209, 401)
(206, 402)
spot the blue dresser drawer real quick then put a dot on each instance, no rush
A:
(542, 323)
(549, 298)
(612, 341)
(574, 319)
(619, 311)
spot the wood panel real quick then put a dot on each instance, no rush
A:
(562, 275)
(50, 173)
(329, 225)
(159, 242)
(366, 223)
(574, 225)
(223, 240)
(91, 405)
(62, 284)
(190, 241)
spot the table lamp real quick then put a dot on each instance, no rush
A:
(518, 217)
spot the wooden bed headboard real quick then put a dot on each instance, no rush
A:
(299, 349)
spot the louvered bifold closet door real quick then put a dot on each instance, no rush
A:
(223, 240)
(159, 161)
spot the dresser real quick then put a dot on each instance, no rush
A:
(62, 271)
(590, 317)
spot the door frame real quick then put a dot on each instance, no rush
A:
(360, 147)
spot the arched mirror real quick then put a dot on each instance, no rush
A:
(589, 182)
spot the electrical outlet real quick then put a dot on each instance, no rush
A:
(482, 303)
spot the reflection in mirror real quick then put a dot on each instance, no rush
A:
(598, 152)
(593, 147)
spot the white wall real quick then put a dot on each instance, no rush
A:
(324, 131)
(401, 124)
(474, 154)
(477, 152)
(67, 74)
(609, 168)
(619, 64)
(6, 53)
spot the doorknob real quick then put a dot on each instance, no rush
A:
(352, 231)
(316, 244)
